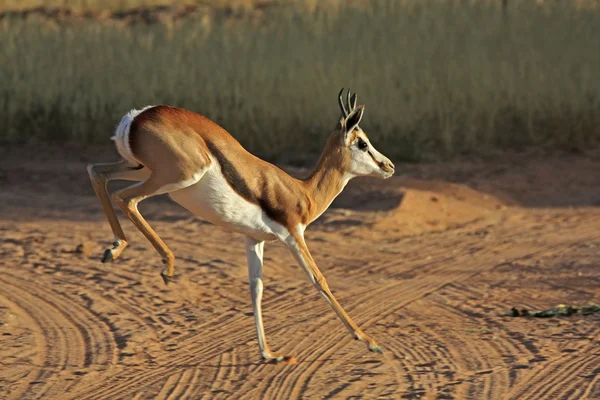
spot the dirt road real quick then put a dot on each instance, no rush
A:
(423, 262)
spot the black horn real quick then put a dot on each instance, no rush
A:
(352, 102)
(348, 101)
(341, 101)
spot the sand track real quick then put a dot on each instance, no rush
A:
(423, 265)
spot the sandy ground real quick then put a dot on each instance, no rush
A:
(424, 262)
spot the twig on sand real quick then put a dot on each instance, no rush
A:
(559, 311)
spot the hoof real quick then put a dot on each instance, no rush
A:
(281, 360)
(108, 256)
(376, 349)
(166, 278)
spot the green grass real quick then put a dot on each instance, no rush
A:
(437, 80)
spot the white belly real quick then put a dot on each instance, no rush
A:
(213, 200)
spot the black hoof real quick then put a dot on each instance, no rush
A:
(166, 278)
(281, 360)
(376, 349)
(107, 257)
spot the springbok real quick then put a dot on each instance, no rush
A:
(204, 169)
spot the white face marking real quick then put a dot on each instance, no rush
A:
(365, 161)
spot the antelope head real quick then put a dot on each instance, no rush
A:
(360, 157)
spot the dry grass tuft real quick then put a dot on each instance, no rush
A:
(438, 78)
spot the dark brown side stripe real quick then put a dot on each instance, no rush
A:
(233, 177)
(240, 186)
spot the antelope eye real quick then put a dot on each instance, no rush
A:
(362, 144)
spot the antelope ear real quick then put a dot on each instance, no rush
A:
(352, 122)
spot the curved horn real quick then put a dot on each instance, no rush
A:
(352, 102)
(341, 101)
(348, 101)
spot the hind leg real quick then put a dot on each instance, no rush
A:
(128, 199)
(100, 175)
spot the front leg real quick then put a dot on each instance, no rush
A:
(254, 255)
(298, 247)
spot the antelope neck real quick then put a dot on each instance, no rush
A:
(325, 183)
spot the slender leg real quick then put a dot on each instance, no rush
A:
(127, 199)
(298, 247)
(254, 255)
(100, 175)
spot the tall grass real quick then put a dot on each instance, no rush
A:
(438, 79)
(119, 4)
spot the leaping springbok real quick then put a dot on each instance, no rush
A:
(204, 169)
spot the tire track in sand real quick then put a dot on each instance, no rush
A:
(301, 378)
(17, 378)
(173, 371)
(554, 379)
(67, 349)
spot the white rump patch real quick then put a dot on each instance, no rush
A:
(121, 136)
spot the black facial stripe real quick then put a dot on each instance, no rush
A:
(374, 159)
